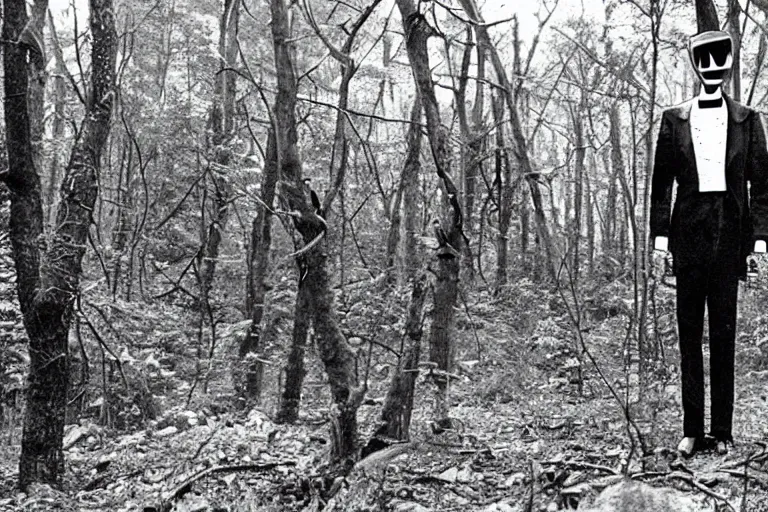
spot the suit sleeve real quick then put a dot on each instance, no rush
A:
(758, 178)
(662, 180)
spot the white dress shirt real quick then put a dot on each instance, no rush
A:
(709, 132)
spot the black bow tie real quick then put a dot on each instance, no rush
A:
(711, 103)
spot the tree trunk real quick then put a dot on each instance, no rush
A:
(473, 138)
(617, 168)
(578, 191)
(37, 79)
(58, 124)
(504, 190)
(417, 32)
(393, 233)
(123, 200)
(396, 413)
(294, 368)
(591, 201)
(222, 126)
(337, 356)
(734, 10)
(411, 173)
(48, 279)
(250, 367)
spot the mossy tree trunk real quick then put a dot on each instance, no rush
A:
(48, 268)
(441, 346)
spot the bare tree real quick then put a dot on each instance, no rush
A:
(441, 348)
(336, 354)
(49, 268)
(339, 163)
(518, 135)
(221, 121)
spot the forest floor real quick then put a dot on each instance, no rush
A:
(535, 425)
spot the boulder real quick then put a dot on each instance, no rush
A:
(630, 496)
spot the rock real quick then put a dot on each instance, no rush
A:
(501, 507)
(193, 503)
(464, 476)
(449, 475)
(167, 432)
(152, 362)
(73, 435)
(514, 479)
(409, 506)
(629, 495)
(131, 439)
(574, 478)
(256, 418)
(461, 501)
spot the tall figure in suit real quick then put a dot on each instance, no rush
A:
(715, 150)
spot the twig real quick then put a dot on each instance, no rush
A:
(166, 504)
(746, 476)
(583, 465)
(101, 341)
(381, 458)
(677, 475)
(472, 324)
(204, 444)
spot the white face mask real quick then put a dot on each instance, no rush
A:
(712, 57)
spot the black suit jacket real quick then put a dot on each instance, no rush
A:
(746, 161)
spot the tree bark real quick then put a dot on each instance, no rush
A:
(37, 79)
(250, 367)
(393, 232)
(578, 186)
(221, 125)
(617, 168)
(590, 207)
(396, 413)
(410, 178)
(49, 270)
(294, 368)
(336, 354)
(472, 136)
(441, 349)
(504, 192)
(58, 124)
(123, 200)
(734, 28)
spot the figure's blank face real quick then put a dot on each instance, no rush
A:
(712, 56)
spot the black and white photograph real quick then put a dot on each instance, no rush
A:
(384, 256)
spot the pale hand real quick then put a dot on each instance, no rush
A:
(760, 246)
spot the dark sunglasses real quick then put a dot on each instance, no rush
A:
(718, 50)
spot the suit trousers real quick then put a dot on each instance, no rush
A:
(713, 282)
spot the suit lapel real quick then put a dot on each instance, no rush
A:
(686, 138)
(735, 138)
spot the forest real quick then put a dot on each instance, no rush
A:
(356, 255)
